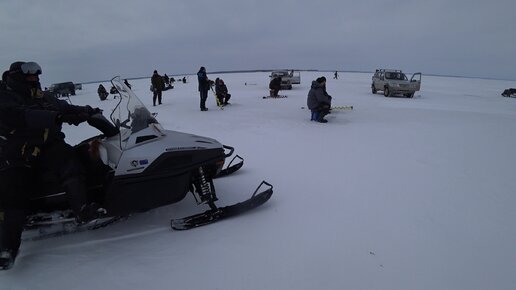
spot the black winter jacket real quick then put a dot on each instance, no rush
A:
(317, 95)
(27, 124)
(204, 84)
(221, 89)
(157, 82)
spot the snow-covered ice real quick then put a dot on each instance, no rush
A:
(395, 194)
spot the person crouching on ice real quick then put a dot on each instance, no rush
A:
(274, 87)
(318, 101)
(221, 91)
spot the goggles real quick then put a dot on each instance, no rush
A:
(29, 68)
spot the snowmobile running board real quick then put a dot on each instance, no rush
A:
(217, 214)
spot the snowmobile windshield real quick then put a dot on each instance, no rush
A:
(130, 115)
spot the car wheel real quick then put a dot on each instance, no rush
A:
(386, 92)
(373, 89)
(411, 95)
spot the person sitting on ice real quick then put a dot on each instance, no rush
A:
(318, 101)
(221, 92)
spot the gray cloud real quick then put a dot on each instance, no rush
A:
(95, 40)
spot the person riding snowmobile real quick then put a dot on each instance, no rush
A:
(30, 140)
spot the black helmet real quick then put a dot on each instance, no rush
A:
(22, 77)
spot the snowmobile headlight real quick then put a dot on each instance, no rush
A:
(219, 165)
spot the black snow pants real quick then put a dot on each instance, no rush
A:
(17, 185)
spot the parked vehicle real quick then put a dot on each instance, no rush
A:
(395, 82)
(63, 89)
(288, 78)
(511, 92)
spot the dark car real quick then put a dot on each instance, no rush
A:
(63, 89)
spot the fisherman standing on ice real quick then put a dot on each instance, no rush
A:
(157, 87)
(204, 87)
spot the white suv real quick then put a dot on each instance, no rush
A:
(395, 82)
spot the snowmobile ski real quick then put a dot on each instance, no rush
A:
(219, 213)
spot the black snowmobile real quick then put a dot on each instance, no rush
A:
(135, 166)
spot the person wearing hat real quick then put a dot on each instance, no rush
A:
(31, 139)
(204, 87)
(318, 101)
(221, 92)
(157, 87)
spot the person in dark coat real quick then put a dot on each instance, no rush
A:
(275, 86)
(318, 101)
(31, 138)
(204, 86)
(221, 91)
(157, 87)
(102, 92)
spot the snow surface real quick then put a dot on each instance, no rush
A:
(396, 194)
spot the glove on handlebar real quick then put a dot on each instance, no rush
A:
(92, 111)
(73, 119)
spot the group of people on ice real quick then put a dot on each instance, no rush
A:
(318, 101)
(205, 84)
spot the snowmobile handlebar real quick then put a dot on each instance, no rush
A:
(231, 150)
(100, 122)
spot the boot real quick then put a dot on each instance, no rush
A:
(75, 189)
(11, 227)
(90, 212)
(76, 192)
(7, 258)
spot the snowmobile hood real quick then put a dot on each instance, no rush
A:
(147, 147)
(185, 141)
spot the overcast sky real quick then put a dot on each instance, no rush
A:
(93, 40)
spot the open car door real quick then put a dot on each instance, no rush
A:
(415, 81)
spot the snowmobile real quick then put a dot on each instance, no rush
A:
(136, 165)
